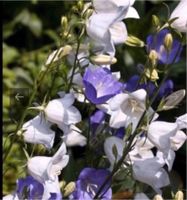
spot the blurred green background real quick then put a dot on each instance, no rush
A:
(31, 29)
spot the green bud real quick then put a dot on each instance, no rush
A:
(134, 41)
(80, 5)
(157, 197)
(103, 59)
(70, 187)
(179, 195)
(153, 57)
(155, 21)
(62, 185)
(64, 22)
(168, 41)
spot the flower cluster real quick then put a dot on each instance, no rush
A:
(124, 133)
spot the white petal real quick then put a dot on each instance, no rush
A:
(178, 140)
(182, 121)
(160, 132)
(72, 116)
(118, 32)
(116, 101)
(139, 95)
(118, 119)
(132, 13)
(37, 131)
(11, 197)
(68, 100)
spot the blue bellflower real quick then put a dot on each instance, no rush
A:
(100, 85)
(89, 182)
(132, 84)
(156, 42)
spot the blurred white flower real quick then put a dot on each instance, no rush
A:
(11, 197)
(61, 111)
(140, 196)
(37, 131)
(180, 11)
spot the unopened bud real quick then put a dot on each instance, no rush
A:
(168, 41)
(179, 195)
(20, 132)
(152, 74)
(173, 99)
(153, 56)
(134, 41)
(64, 22)
(155, 21)
(157, 197)
(103, 60)
(80, 5)
(70, 187)
(58, 54)
(62, 184)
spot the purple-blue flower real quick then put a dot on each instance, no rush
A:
(89, 182)
(133, 84)
(100, 85)
(156, 42)
(29, 188)
(96, 120)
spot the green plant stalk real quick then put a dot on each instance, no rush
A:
(128, 147)
(24, 114)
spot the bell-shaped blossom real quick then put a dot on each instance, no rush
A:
(133, 84)
(61, 111)
(100, 85)
(37, 131)
(46, 170)
(151, 172)
(72, 135)
(126, 108)
(89, 182)
(156, 42)
(105, 25)
(167, 137)
(180, 11)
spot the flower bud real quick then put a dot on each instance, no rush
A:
(134, 41)
(80, 5)
(20, 132)
(155, 21)
(103, 60)
(70, 187)
(153, 57)
(62, 185)
(168, 41)
(179, 195)
(173, 99)
(157, 197)
(152, 74)
(64, 22)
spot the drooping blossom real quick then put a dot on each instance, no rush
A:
(89, 182)
(105, 25)
(156, 42)
(180, 12)
(61, 110)
(37, 131)
(46, 170)
(100, 85)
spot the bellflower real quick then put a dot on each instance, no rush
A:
(105, 25)
(100, 85)
(89, 182)
(61, 111)
(156, 42)
(167, 137)
(127, 108)
(180, 11)
(37, 131)
(133, 84)
(151, 172)
(46, 170)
